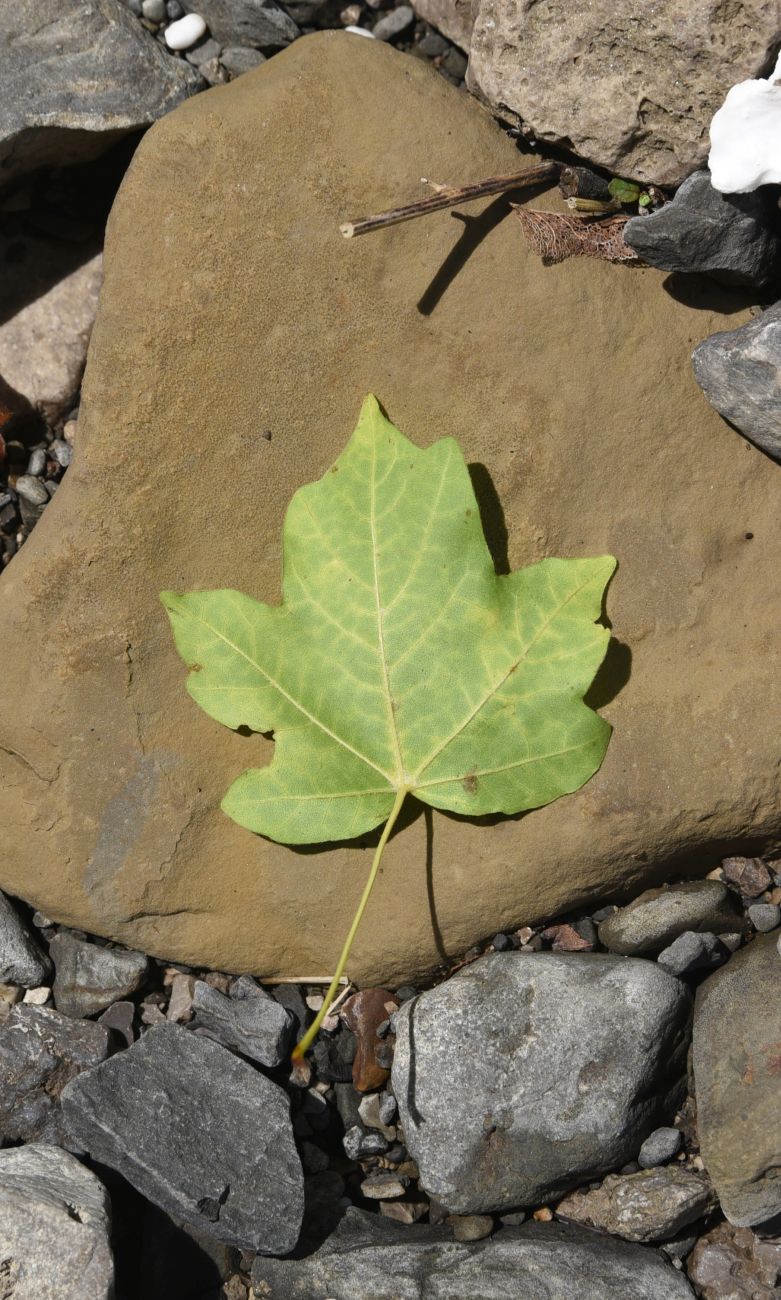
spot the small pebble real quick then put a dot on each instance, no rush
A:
(358, 1145)
(119, 1016)
(406, 993)
(37, 463)
(154, 10)
(543, 1215)
(659, 1147)
(393, 23)
(180, 1006)
(349, 15)
(174, 11)
(731, 941)
(470, 1227)
(69, 432)
(238, 59)
(602, 913)
(62, 452)
(29, 489)
(514, 1219)
(203, 52)
(388, 1107)
(748, 875)
(383, 1187)
(37, 997)
(51, 486)
(185, 32)
(432, 45)
(502, 943)
(10, 994)
(359, 31)
(404, 1211)
(134, 6)
(765, 916)
(692, 951)
(454, 63)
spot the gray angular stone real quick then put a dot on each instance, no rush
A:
(765, 916)
(22, 960)
(659, 1147)
(259, 23)
(739, 372)
(728, 236)
(691, 952)
(54, 1228)
(199, 1133)
(454, 18)
(737, 1068)
(40, 1052)
(247, 1021)
(88, 978)
(525, 1075)
(393, 23)
(77, 75)
(650, 1206)
(369, 1256)
(657, 917)
(238, 59)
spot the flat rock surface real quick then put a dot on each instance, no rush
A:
(40, 1052)
(634, 95)
(199, 1133)
(524, 1075)
(737, 1067)
(249, 1021)
(650, 1206)
(77, 74)
(370, 1256)
(88, 977)
(739, 372)
(237, 327)
(22, 960)
(657, 917)
(54, 1228)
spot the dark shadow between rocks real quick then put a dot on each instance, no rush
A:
(476, 228)
(704, 294)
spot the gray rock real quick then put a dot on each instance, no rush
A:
(372, 1256)
(739, 372)
(691, 952)
(650, 1206)
(454, 18)
(154, 10)
(207, 50)
(393, 23)
(659, 1147)
(22, 960)
(765, 916)
(729, 236)
(238, 59)
(88, 978)
(735, 1264)
(524, 1075)
(248, 1021)
(199, 1133)
(259, 23)
(77, 75)
(40, 1052)
(54, 1228)
(655, 918)
(737, 1031)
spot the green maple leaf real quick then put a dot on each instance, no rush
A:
(399, 662)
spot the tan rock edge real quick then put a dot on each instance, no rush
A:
(232, 309)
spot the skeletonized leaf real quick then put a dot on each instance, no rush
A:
(398, 658)
(555, 236)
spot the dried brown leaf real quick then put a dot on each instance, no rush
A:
(555, 236)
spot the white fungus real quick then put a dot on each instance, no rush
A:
(746, 136)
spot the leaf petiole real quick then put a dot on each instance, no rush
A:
(311, 1033)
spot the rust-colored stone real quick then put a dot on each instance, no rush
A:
(362, 1013)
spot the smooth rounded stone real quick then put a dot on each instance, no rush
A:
(737, 1030)
(200, 1133)
(22, 960)
(650, 1206)
(185, 32)
(77, 75)
(238, 59)
(470, 1227)
(205, 52)
(393, 23)
(261, 23)
(29, 489)
(247, 1021)
(522, 1076)
(739, 372)
(40, 1052)
(659, 1147)
(731, 1263)
(154, 10)
(657, 917)
(624, 94)
(118, 751)
(369, 1255)
(728, 236)
(37, 463)
(691, 952)
(765, 916)
(55, 1220)
(88, 978)
(383, 1187)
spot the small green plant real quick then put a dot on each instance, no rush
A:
(399, 663)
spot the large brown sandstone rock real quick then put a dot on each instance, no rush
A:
(631, 87)
(235, 312)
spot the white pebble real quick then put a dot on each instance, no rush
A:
(37, 997)
(359, 31)
(185, 32)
